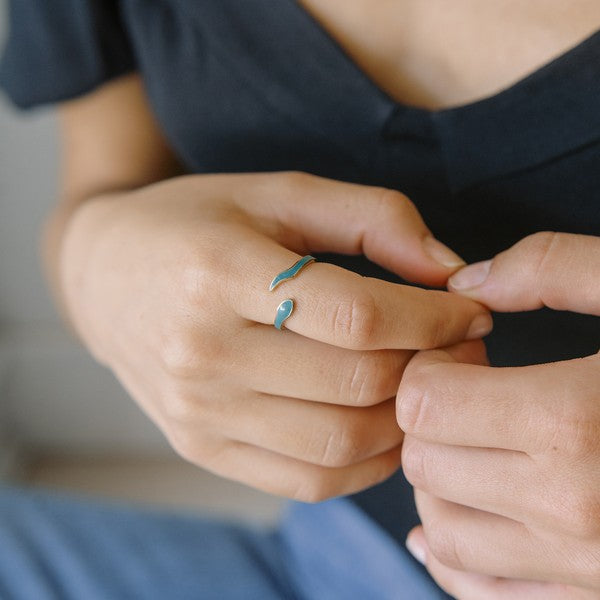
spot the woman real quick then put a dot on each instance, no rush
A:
(487, 119)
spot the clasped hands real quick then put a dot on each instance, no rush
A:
(506, 461)
(168, 286)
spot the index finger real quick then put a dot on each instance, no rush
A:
(339, 307)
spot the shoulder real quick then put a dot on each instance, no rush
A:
(61, 49)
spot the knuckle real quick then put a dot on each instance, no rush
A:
(541, 240)
(185, 354)
(414, 462)
(179, 355)
(178, 408)
(392, 204)
(445, 545)
(443, 321)
(202, 273)
(197, 285)
(384, 465)
(374, 379)
(273, 188)
(377, 377)
(354, 321)
(184, 444)
(292, 180)
(539, 243)
(361, 380)
(312, 490)
(542, 247)
(341, 446)
(414, 401)
(197, 448)
(438, 330)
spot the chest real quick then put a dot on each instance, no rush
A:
(257, 85)
(263, 86)
(423, 54)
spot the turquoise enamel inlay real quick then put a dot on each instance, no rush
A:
(291, 272)
(284, 310)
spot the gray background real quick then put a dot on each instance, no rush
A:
(64, 421)
(54, 398)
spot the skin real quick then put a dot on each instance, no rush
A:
(167, 285)
(436, 55)
(505, 461)
(153, 271)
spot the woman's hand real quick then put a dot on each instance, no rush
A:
(506, 461)
(169, 287)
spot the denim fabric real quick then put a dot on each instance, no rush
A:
(55, 547)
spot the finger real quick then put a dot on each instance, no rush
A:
(321, 434)
(545, 269)
(467, 539)
(472, 586)
(529, 409)
(283, 476)
(314, 214)
(295, 366)
(341, 308)
(275, 424)
(480, 477)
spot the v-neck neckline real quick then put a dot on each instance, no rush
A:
(514, 88)
(304, 77)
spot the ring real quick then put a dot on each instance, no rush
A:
(291, 272)
(284, 310)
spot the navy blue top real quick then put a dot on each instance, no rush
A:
(255, 85)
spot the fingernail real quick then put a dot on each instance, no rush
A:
(416, 549)
(481, 326)
(470, 276)
(441, 253)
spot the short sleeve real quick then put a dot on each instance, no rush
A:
(61, 49)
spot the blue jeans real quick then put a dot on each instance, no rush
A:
(61, 548)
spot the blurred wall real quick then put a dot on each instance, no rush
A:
(53, 397)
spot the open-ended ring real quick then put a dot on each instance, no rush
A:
(285, 309)
(291, 272)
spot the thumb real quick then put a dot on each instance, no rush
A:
(315, 214)
(557, 270)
